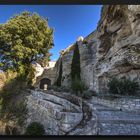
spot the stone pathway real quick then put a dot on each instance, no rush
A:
(109, 121)
(112, 121)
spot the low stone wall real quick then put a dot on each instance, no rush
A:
(128, 104)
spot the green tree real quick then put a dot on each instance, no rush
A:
(76, 84)
(58, 82)
(24, 38)
(75, 66)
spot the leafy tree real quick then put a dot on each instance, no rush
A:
(24, 38)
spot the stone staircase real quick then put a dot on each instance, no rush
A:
(66, 114)
(112, 121)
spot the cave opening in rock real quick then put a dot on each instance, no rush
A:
(45, 83)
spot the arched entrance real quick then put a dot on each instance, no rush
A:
(45, 83)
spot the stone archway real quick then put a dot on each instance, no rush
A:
(45, 83)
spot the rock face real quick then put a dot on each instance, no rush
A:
(113, 49)
(118, 50)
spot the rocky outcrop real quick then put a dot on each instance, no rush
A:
(113, 49)
(118, 36)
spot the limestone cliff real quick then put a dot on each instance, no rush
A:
(113, 49)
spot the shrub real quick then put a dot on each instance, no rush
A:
(11, 89)
(19, 110)
(88, 94)
(59, 79)
(78, 86)
(123, 86)
(12, 98)
(75, 66)
(34, 129)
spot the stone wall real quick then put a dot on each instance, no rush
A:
(125, 104)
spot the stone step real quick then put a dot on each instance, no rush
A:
(102, 107)
(117, 115)
(113, 121)
(118, 129)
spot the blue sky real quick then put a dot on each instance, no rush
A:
(69, 21)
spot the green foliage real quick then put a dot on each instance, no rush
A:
(35, 129)
(23, 39)
(75, 66)
(12, 89)
(44, 62)
(88, 94)
(78, 86)
(58, 82)
(16, 110)
(12, 96)
(123, 86)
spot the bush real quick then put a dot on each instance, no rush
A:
(75, 66)
(12, 89)
(12, 98)
(35, 129)
(59, 79)
(78, 86)
(18, 110)
(88, 94)
(123, 86)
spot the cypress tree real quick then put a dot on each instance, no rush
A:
(75, 67)
(58, 82)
